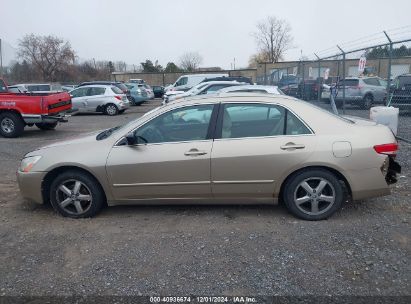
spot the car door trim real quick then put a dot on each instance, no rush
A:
(254, 181)
(162, 184)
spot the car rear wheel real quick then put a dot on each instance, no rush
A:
(46, 126)
(367, 102)
(11, 124)
(111, 109)
(76, 194)
(313, 194)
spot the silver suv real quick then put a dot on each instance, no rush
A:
(362, 91)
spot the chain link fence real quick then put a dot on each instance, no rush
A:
(357, 77)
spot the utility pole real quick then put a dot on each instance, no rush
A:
(319, 77)
(234, 63)
(343, 86)
(389, 63)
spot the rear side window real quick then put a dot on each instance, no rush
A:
(116, 90)
(121, 86)
(259, 120)
(37, 88)
(96, 91)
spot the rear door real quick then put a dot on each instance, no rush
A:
(255, 145)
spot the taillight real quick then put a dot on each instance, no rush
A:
(387, 149)
(117, 97)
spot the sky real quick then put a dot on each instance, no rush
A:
(220, 30)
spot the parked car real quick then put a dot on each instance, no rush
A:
(230, 78)
(252, 89)
(400, 92)
(138, 94)
(186, 82)
(308, 89)
(68, 87)
(36, 87)
(18, 110)
(200, 89)
(139, 81)
(361, 91)
(107, 99)
(158, 91)
(149, 90)
(246, 148)
(118, 84)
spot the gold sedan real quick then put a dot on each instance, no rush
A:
(229, 148)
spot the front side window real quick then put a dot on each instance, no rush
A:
(182, 81)
(183, 124)
(256, 120)
(81, 92)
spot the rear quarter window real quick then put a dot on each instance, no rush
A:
(116, 90)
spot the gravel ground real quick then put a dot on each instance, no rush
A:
(205, 250)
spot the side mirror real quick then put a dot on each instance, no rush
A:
(132, 139)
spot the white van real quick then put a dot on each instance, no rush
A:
(186, 82)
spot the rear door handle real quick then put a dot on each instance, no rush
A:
(292, 146)
(194, 152)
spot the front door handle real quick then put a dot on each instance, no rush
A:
(194, 152)
(292, 146)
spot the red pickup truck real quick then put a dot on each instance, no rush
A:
(18, 110)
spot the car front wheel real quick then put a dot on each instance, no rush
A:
(313, 194)
(76, 194)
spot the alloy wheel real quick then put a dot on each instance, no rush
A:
(74, 197)
(111, 110)
(7, 125)
(314, 196)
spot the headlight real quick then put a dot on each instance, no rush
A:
(28, 163)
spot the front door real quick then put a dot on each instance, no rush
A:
(79, 99)
(173, 161)
(257, 144)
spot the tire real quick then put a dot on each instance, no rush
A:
(46, 126)
(311, 206)
(111, 109)
(11, 124)
(66, 200)
(367, 102)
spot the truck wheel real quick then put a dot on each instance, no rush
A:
(111, 109)
(11, 124)
(46, 126)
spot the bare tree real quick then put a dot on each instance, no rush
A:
(273, 37)
(255, 59)
(49, 54)
(190, 61)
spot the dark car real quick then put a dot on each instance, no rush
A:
(289, 84)
(118, 84)
(400, 92)
(158, 91)
(308, 89)
(230, 78)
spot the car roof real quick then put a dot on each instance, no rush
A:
(221, 82)
(96, 85)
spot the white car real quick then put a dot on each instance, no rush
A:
(253, 89)
(99, 98)
(186, 82)
(202, 88)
